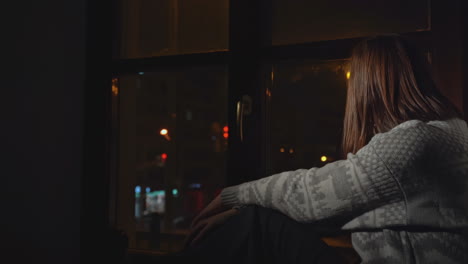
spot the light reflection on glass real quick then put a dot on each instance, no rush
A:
(177, 155)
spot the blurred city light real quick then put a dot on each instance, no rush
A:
(195, 186)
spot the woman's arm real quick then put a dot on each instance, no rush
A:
(362, 182)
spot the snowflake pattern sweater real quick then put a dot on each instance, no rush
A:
(404, 194)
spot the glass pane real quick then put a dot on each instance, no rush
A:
(308, 21)
(166, 27)
(172, 152)
(307, 102)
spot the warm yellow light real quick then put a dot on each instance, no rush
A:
(323, 158)
(115, 87)
(348, 75)
(163, 132)
(281, 149)
(291, 151)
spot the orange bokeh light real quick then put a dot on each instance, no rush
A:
(226, 129)
(225, 135)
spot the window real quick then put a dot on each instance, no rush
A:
(210, 93)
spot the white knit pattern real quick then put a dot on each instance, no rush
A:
(413, 176)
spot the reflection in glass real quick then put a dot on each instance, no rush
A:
(172, 152)
(166, 27)
(308, 21)
(307, 109)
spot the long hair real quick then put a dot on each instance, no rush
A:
(389, 83)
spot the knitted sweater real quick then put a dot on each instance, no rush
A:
(404, 196)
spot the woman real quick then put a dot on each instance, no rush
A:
(402, 190)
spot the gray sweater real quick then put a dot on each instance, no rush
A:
(404, 194)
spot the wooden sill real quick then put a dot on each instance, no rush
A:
(338, 241)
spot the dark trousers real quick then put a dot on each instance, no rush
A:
(261, 235)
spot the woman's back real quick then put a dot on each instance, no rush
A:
(427, 225)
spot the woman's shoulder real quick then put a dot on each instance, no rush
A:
(402, 131)
(449, 124)
(421, 128)
(419, 133)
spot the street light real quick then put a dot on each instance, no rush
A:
(165, 133)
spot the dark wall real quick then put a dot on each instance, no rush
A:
(42, 86)
(447, 26)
